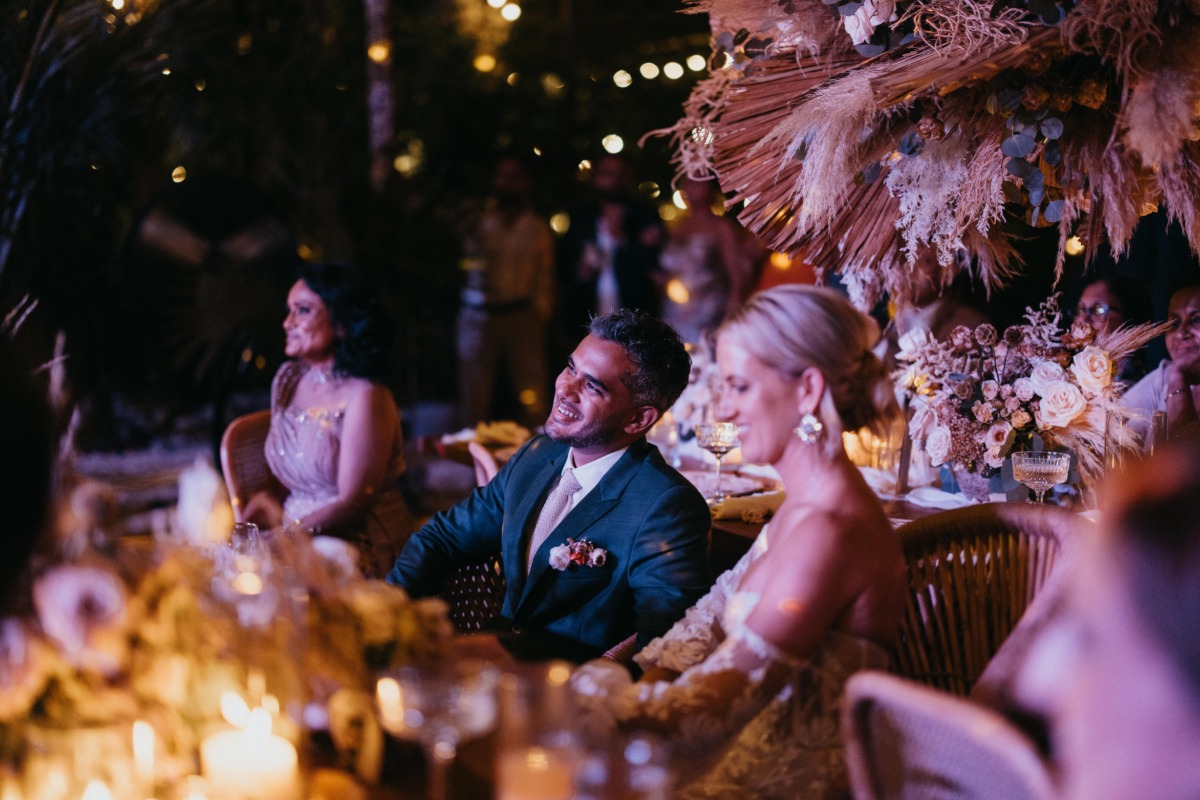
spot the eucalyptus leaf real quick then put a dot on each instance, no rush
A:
(1010, 99)
(1036, 195)
(1036, 180)
(848, 9)
(1019, 167)
(1052, 154)
(1054, 211)
(1052, 127)
(1035, 213)
(1018, 145)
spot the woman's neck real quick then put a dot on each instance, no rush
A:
(809, 471)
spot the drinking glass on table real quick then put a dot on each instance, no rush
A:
(1039, 471)
(718, 438)
(439, 706)
(1132, 433)
(537, 745)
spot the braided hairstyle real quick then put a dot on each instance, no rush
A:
(794, 327)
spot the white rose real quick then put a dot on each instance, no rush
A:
(997, 435)
(83, 610)
(911, 342)
(560, 557)
(1061, 403)
(923, 421)
(1043, 375)
(859, 26)
(1093, 369)
(993, 458)
(937, 445)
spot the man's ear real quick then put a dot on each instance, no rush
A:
(642, 419)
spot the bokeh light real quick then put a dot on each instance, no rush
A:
(673, 70)
(511, 12)
(649, 71)
(696, 62)
(485, 62)
(622, 78)
(612, 143)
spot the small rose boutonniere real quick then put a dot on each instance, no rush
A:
(584, 552)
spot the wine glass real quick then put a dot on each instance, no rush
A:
(438, 705)
(717, 438)
(1039, 471)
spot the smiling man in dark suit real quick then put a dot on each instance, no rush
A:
(594, 480)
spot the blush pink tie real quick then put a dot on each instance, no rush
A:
(558, 502)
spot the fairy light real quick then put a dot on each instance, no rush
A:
(622, 78)
(511, 12)
(1074, 246)
(380, 52)
(560, 222)
(677, 199)
(179, 174)
(512, 78)
(496, 3)
(696, 62)
(649, 70)
(673, 70)
(117, 5)
(649, 189)
(612, 143)
(485, 62)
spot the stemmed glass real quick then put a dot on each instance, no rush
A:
(1039, 471)
(439, 706)
(717, 438)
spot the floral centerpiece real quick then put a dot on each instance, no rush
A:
(145, 634)
(981, 395)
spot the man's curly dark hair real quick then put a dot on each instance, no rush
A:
(661, 363)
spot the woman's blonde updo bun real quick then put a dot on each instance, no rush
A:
(796, 326)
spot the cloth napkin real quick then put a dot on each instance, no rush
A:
(749, 507)
(931, 497)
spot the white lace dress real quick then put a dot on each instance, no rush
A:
(748, 720)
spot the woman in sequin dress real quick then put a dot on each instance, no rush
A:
(335, 443)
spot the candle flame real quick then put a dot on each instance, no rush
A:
(258, 727)
(234, 709)
(96, 790)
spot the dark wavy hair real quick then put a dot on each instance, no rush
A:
(661, 363)
(364, 343)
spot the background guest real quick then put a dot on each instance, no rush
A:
(750, 680)
(1119, 675)
(335, 443)
(1172, 386)
(1109, 301)
(705, 263)
(593, 481)
(609, 257)
(507, 301)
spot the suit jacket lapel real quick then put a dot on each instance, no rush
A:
(528, 505)
(598, 502)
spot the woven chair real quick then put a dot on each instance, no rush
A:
(972, 574)
(905, 741)
(243, 461)
(475, 592)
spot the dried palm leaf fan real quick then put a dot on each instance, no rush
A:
(1045, 107)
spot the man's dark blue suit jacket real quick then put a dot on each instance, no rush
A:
(651, 520)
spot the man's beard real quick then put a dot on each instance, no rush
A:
(596, 433)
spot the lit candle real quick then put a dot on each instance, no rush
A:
(143, 756)
(535, 773)
(96, 790)
(252, 763)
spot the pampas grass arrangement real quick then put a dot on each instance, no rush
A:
(940, 120)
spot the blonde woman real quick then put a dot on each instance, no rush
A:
(751, 679)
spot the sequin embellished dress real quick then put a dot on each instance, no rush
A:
(697, 301)
(302, 450)
(773, 733)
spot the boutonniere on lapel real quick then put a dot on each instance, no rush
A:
(584, 552)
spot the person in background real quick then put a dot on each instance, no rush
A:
(1118, 676)
(1174, 386)
(608, 258)
(639, 529)
(507, 300)
(335, 444)
(936, 302)
(1109, 301)
(706, 264)
(749, 682)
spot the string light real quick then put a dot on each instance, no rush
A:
(485, 62)
(612, 143)
(673, 70)
(622, 78)
(649, 71)
(511, 12)
(179, 174)
(696, 62)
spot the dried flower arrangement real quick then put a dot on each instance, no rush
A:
(981, 395)
(855, 131)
